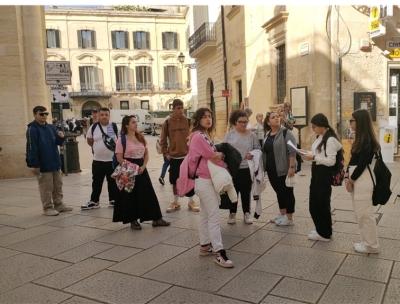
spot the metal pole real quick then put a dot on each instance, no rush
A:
(64, 148)
(224, 58)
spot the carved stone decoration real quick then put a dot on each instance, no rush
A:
(116, 56)
(80, 57)
(143, 54)
(276, 28)
(50, 54)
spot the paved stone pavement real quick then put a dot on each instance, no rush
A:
(83, 257)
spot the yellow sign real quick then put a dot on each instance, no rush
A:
(388, 138)
(394, 53)
(375, 13)
(376, 26)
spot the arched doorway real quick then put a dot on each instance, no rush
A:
(212, 103)
(88, 107)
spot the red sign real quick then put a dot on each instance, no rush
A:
(226, 93)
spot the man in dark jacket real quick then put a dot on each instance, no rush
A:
(43, 157)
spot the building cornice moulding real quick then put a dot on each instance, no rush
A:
(53, 54)
(166, 56)
(233, 12)
(142, 54)
(80, 57)
(116, 56)
(275, 21)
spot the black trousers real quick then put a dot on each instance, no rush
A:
(99, 171)
(284, 194)
(320, 199)
(242, 183)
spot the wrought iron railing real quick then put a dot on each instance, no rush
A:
(84, 86)
(206, 32)
(172, 86)
(138, 86)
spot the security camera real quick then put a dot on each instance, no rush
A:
(385, 52)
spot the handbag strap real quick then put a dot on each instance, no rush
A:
(198, 163)
(377, 155)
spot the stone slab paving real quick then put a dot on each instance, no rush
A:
(82, 257)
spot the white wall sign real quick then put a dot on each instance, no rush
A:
(304, 49)
(57, 72)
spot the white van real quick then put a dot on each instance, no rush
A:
(144, 119)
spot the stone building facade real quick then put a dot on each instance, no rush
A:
(271, 50)
(121, 59)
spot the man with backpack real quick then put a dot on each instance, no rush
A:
(176, 129)
(43, 158)
(102, 137)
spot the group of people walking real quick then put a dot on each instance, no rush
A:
(180, 138)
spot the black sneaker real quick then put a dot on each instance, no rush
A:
(135, 225)
(161, 180)
(111, 203)
(90, 205)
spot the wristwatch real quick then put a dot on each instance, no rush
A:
(292, 167)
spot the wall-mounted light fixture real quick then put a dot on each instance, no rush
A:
(181, 59)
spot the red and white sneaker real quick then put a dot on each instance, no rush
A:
(206, 250)
(222, 260)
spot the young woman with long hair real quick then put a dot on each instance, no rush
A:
(201, 134)
(359, 182)
(280, 161)
(142, 202)
(323, 156)
(244, 141)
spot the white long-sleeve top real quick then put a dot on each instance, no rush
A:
(332, 147)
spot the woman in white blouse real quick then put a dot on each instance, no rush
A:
(323, 154)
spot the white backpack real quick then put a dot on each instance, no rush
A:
(158, 146)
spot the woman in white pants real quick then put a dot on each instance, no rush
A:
(200, 145)
(359, 182)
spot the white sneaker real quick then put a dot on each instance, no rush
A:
(316, 237)
(232, 218)
(247, 218)
(50, 212)
(360, 247)
(284, 221)
(278, 217)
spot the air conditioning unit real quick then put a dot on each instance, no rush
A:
(364, 44)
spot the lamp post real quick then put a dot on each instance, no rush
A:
(181, 59)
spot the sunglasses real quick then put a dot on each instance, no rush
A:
(351, 120)
(44, 114)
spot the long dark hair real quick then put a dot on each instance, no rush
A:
(195, 122)
(267, 127)
(365, 133)
(124, 130)
(321, 120)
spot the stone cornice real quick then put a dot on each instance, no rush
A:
(233, 12)
(275, 21)
(116, 56)
(80, 57)
(166, 56)
(143, 54)
(49, 54)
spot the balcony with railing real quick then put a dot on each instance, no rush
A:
(172, 86)
(85, 90)
(204, 40)
(136, 87)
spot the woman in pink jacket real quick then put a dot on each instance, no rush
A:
(200, 145)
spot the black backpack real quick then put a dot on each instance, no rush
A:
(337, 168)
(382, 192)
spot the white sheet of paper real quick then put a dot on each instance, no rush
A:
(292, 145)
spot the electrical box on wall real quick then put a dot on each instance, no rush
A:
(364, 44)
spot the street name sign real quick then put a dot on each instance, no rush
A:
(57, 72)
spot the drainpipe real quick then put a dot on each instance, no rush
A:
(224, 57)
(339, 96)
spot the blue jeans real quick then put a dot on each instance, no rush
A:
(164, 167)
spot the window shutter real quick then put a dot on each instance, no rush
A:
(175, 41)
(82, 74)
(117, 80)
(179, 74)
(47, 38)
(96, 78)
(164, 42)
(126, 40)
(138, 75)
(113, 40)
(131, 79)
(135, 46)
(79, 38)
(126, 77)
(150, 76)
(93, 33)
(148, 40)
(57, 32)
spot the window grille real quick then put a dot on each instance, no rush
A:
(281, 74)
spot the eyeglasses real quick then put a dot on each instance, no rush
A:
(44, 114)
(351, 120)
(242, 122)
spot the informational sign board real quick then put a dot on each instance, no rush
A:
(57, 72)
(367, 101)
(59, 95)
(376, 25)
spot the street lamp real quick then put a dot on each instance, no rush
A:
(181, 59)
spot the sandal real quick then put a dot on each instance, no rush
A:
(135, 225)
(160, 222)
